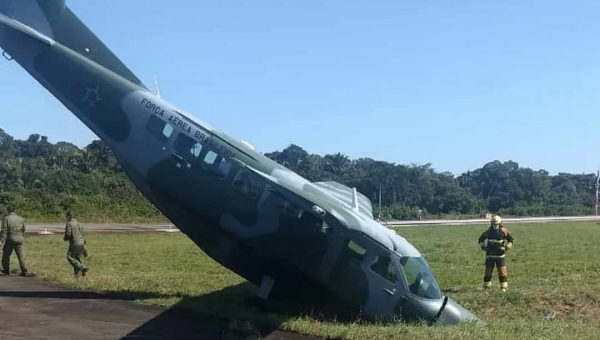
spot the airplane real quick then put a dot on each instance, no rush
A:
(281, 232)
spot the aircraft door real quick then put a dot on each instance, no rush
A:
(174, 175)
(384, 280)
(193, 174)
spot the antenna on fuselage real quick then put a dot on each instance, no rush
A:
(354, 199)
(156, 84)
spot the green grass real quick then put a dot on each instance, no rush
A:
(551, 267)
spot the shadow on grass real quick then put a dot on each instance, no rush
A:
(209, 316)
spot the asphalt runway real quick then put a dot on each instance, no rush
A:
(484, 221)
(34, 309)
(110, 228)
(141, 227)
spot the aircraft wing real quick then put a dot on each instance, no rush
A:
(338, 192)
(346, 195)
(311, 196)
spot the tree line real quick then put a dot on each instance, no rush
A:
(43, 179)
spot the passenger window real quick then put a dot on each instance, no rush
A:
(187, 147)
(384, 267)
(196, 149)
(159, 128)
(222, 170)
(216, 164)
(167, 131)
(210, 158)
(247, 184)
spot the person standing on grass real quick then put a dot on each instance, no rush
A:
(499, 241)
(11, 236)
(75, 234)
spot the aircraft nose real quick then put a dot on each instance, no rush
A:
(452, 313)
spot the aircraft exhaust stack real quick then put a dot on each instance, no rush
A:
(354, 199)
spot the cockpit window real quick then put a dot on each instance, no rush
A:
(419, 278)
(384, 267)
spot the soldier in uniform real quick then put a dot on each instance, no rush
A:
(75, 234)
(11, 236)
(499, 241)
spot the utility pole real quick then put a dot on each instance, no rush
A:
(380, 201)
(597, 185)
(157, 88)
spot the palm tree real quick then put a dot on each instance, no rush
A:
(85, 161)
(337, 163)
(61, 161)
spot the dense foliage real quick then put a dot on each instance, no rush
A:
(405, 190)
(43, 179)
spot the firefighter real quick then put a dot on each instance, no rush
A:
(499, 241)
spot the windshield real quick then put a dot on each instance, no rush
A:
(420, 278)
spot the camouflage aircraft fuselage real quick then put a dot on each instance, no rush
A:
(252, 215)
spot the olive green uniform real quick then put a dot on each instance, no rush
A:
(75, 234)
(11, 235)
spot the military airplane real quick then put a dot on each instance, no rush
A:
(264, 222)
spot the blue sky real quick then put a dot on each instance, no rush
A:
(452, 83)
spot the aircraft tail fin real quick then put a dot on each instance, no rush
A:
(53, 19)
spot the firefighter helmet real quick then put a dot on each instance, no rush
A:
(496, 219)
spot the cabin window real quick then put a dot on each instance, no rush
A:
(216, 164)
(247, 184)
(222, 169)
(159, 128)
(209, 159)
(187, 147)
(384, 267)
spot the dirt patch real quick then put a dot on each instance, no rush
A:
(575, 305)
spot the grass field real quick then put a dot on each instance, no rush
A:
(552, 266)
